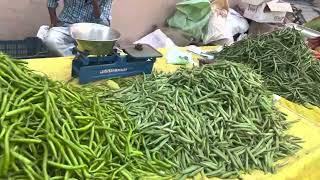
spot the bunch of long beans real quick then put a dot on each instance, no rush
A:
(49, 130)
(217, 120)
(284, 61)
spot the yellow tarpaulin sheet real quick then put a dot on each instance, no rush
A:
(304, 165)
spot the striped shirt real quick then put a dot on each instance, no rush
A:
(77, 11)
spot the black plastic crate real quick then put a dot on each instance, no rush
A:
(31, 47)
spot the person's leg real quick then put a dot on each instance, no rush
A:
(59, 41)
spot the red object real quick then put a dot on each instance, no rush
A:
(314, 42)
(316, 54)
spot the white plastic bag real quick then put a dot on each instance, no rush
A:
(216, 26)
(217, 22)
(179, 57)
(233, 24)
(224, 23)
(236, 23)
(156, 39)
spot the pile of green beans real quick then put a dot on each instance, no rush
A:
(50, 130)
(285, 62)
(217, 120)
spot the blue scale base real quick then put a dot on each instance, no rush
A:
(89, 69)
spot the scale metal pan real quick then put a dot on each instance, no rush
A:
(96, 39)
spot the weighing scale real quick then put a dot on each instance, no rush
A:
(97, 58)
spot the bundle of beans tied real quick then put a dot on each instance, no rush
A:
(49, 130)
(284, 61)
(217, 120)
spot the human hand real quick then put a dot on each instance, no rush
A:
(52, 25)
(99, 21)
(53, 17)
(96, 8)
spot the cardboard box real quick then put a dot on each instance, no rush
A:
(268, 12)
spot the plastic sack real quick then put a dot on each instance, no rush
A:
(217, 26)
(236, 23)
(223, 28)
(192, 16)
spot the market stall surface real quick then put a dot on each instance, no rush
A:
(303, 165)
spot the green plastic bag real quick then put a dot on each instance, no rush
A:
(192, 16)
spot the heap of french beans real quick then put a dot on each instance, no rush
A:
(217, 120)
(284, 61)
(49, 130)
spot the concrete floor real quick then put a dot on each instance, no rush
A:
(309, 11)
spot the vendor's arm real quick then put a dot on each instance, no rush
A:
(105, 7)
(96, 8)
(52, 6)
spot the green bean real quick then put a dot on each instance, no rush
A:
(91, 137)
(22, 96)
(72, 157)
(97, 168)
(282, 63)
(53, 149)
(118, 170)
(31, 170)
(215, 172)
(67, 175)
(190, 169)
(85, 128)
(30, 175)
(6, 158)
(57, 178)
(87, 118)
(24, 140)
(4, 102)
(208, 120)
(229, 174)
(3, 132)
(227, 104)
(113, 146)
(79, 150)
(196, 172)
(9, 103)
(62, 151)
(67, 167)
(220, 154)
(44, 162)
(18, 111)
(160, 145)
(209, 164)
(25, 160)
(126, 174)
(251, 156)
